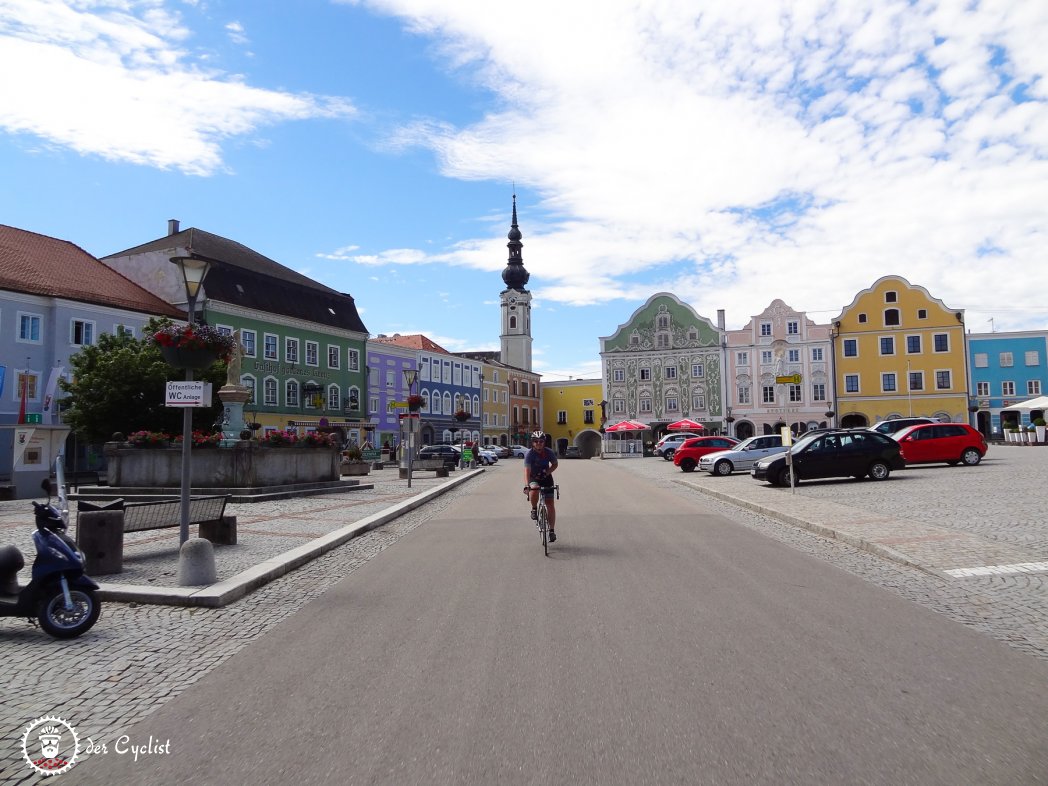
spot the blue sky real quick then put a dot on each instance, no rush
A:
(731, 154)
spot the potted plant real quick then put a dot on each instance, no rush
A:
(149, 439)
(202, 440)
(317, 440)
(415, 402)
(352, 462)
(1011, 434)
(462, 416)
(193, 346)
(279, 439)
(1039, 427)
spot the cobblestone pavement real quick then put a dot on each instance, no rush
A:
(139, 657)
(994, 509)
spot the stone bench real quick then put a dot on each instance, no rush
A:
(435, 465)
(100, 529)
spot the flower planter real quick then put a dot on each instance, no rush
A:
(180, 357)
(354, 468)
(1040, 432)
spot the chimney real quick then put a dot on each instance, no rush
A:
(720, 318)
(172, 226)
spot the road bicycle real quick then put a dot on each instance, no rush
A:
(542, 516)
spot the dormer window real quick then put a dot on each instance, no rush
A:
(891, 297)
(891, 316)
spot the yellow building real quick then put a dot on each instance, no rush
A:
(571, 415)
(899, 352)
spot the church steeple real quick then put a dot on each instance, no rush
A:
(515, 276)
(516, 304)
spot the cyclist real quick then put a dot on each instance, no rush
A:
(539, 464)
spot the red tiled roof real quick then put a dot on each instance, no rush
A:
(42, 265)
(414, 341)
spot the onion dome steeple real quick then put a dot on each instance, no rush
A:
(514, 275)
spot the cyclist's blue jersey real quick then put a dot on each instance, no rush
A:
(539, 463)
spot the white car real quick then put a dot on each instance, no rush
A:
(743, 456)
(519, 451)
(488, 457)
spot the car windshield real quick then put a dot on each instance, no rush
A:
(803, 442)
(745, 443)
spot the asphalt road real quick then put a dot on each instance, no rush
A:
(658, 643)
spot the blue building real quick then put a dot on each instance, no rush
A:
(1006, 369)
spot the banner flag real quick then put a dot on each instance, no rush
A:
(49, 394)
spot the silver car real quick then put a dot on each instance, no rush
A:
(743, 456)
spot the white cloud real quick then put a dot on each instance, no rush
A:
(777, 146)
(112, 79)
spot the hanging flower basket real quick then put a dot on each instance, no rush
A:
(829, 413)
(729, 419)
(415, 402)
(193, 346)
(461, 416)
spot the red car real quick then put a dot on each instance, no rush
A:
(954, 443)
(691, 450)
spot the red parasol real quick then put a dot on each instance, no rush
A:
(685, 425)
(627, 425)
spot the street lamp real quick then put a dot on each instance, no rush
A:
(193, 270)
(410, 378)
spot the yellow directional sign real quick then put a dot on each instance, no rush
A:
(792, 379)
(392, 405)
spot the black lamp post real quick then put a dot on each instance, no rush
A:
(410, 378)
(193, 270)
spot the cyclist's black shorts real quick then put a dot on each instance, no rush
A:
(545, 485)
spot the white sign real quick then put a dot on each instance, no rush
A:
(188, 394)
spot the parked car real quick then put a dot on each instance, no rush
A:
(954, 443)
(691, 450)
(572, 451)
(743, 456)
(833, 454)
(488, 456)
(502, 451)
(449, 453)
(668, 445)
(519, 451)
(889, 427)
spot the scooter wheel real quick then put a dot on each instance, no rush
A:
(63, 623)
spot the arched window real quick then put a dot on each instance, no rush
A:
(248, 381)
(291, 393)
(891, 316)
(425, 401)
(447, 402)
(269, 392)
(334, 397)
(512, 323)
(354, 398)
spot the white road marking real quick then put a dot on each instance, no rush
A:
(998, 570)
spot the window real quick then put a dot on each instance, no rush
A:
(942, 380)
(891, 316)
(816, 353)
(891, 297)
(662, 341)
(562, 417)
(247, 339)
(1033, 387)
(742, 358)
(982, 360)
(862, 319)
(291, 393)
(913, 345)
(671, 404)
(664, 321)
(744, 394)
(851, 348)
(248, 381)
(353, 360)
(645, 374)
(645, 404)
(765, 328)
(1007, 388)
(269, 392)
(982, 388)
(334, 398)
(587, 416)
(887, 345)
(793, 327)
(353, 402)
(269, 346)
(373, 404)
(312, 353)
(795, 392)
(1005, 359)
(766, 357)
(291, 350)
(768, 394)
(29, 328)
(916, 380)
(693, 334)
(818, 391)
(941, 342)
(30, 381)
(1032, 358)
(619, 375)
(793, 356)
(698, 401)
(671, 372)
(888, 383)
(697, 371)
(922, 313)
(123, 330)
(634, 340)
(851, 383)
(82, 333)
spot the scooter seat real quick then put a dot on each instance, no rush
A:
(11, 561)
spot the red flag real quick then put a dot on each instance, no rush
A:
(21, 407)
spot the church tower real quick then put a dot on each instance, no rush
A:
(516, 303)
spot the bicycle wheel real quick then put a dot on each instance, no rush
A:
(543, 522)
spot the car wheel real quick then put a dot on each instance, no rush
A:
(971, 457)
(782, 477)
(668, 454)
(723, 468)
(879, 471)
(688, 465)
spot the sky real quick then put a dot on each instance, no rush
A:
(729, 153)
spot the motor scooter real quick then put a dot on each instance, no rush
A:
(59, 595)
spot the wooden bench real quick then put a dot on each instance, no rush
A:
(436, 465)
(141, 516)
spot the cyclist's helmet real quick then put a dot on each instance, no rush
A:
(537, 435)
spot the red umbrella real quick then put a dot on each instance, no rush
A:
(685, 425)
(627, 425)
